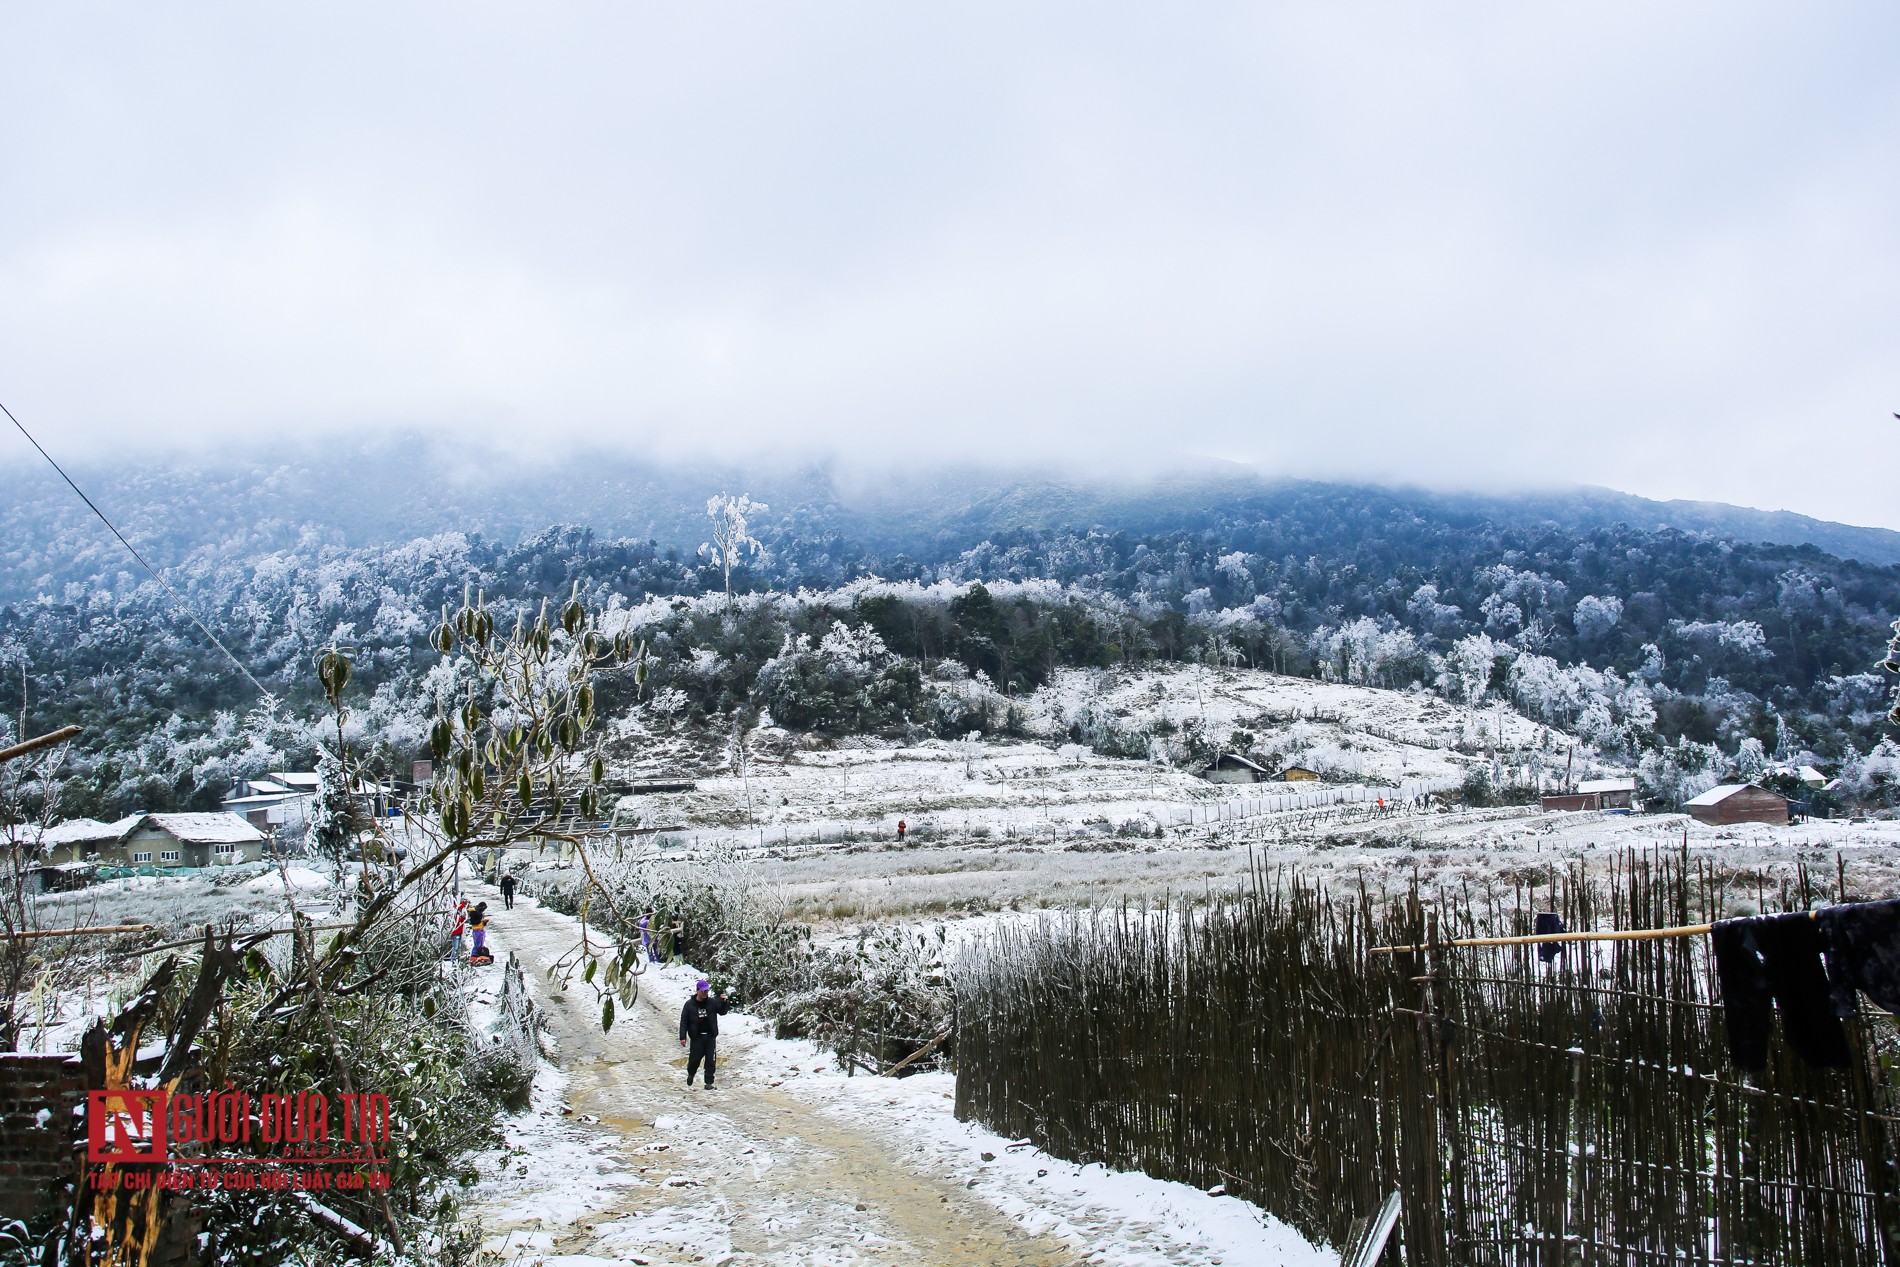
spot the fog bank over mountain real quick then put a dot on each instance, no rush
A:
(235, 506)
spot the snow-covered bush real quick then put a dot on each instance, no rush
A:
(848, 681)
(1872, 780)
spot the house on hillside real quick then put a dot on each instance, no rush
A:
(1593, 794)
(1298, 774)
(189, 840)
(81, 839)
(280, 800)
(1738, 803)
(1231, 767)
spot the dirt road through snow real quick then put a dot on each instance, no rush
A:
(747, 1174)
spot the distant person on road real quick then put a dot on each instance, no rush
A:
(647, 943)
(901, 829)
(508, 891)
(699, 1030)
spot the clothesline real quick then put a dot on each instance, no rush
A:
(1538, 939)
(1810, 967)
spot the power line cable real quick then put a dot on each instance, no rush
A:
(176, 597)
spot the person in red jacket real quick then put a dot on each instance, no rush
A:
(456, 928)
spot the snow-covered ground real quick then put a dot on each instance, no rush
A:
(800, 792)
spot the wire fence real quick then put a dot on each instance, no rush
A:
(1528, 1115)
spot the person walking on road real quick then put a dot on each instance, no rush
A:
(508, 891)
(699, 1030)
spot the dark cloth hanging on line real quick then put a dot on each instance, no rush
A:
(1862, 944)
(1748, 1011)
(1548, 922)
(1792, 949)
(1778, 958)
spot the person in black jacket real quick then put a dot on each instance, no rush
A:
(508, 891)
(699, 1030)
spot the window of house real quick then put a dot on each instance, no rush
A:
(168, 855)
(227, 849)
(142, 857)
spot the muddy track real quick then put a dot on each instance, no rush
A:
(746, 1174)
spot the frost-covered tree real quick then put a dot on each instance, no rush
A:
(1432, 616)
(1364, 652)
(1466, 672)
(1751, 759)
(1873, 779)
(1598, 705)
(1673, 773)
(732, 541)
(967, 750)
(1743, 638)
(850, 680)
(1892, 665)
(1595, 616)
(1233, 566)
(330, 831)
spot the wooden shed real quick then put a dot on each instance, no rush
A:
(1299, 774)
(1738, 803)
(1593, 794)
(1231, 767)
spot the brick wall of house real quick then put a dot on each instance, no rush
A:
(37, 1152)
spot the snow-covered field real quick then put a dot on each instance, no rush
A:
(1366, 744)
(1025, 823)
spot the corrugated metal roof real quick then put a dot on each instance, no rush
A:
(1716, 795)
(79, 831)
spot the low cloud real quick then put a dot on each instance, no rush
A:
(1503, 247)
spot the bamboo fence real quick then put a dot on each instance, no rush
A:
(1583, 1112)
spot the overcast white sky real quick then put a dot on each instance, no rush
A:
(1653, 246)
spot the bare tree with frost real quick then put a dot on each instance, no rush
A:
(732, 542)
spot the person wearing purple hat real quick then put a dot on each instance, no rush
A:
(699, 1030)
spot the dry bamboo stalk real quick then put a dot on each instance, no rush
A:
(925, 1050)
(242, 934)
(37, 742)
